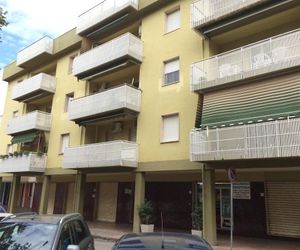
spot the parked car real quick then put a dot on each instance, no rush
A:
(154, 241)
(45, 232)
(4, 215)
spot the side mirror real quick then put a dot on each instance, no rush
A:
(73, 247)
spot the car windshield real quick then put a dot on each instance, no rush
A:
(26, 235)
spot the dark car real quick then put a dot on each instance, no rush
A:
(45, 232)
(151, 241)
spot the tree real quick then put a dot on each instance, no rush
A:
(3, 21)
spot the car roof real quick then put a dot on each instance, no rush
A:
(149, 241)
(35, 218)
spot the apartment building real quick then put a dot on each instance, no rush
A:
(157, 99)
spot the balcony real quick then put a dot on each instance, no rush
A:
(119, 52)
(268, 56)
(108, 11)
(35, 87)
(113, 155)
(36, 120)
(276, 139)
(116, 101)
(36, 53)
(31, 162)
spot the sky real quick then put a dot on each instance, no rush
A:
(29, 20)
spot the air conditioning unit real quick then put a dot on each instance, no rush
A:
(117, 127)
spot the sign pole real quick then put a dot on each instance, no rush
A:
(231, 177)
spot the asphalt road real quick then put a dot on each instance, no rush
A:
(103, 245)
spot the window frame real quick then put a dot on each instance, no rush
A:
(61, 150)
(167, 14)
(162, 139)
(68, 98)
(164, 71)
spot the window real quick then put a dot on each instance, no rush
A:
(172, 20)
(9, 149)
(68, 99)
(15, 113)
(171, 71)
(66, 237)
(71, 60)
(64, 142)
(170, 128)
(79, 231)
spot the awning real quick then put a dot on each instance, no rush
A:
(29, 137)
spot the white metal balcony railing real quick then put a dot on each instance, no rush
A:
(280, 138)
(36, 120)
(25, 163)
(40, 82)
(102, 11)
(105, 154)
(205, 11)
(112, 99)
(44, 45)
(270, 55)
(125, 45)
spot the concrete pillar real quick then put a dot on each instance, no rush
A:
(139, 197)
(209, 205)
(79, 191)
(14, 192)
(45, 195)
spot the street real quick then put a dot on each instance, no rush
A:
(103, 244)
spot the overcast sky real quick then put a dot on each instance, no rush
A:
(30, 20)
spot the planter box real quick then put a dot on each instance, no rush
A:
(147, 228)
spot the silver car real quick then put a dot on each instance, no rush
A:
(45, 232)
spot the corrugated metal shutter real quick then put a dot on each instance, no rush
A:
(272, 98)
(283, 208)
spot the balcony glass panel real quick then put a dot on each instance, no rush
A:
(102, 11)
(112, 99)
(105, 154)
(36, 120)
(31, 162)
(39, 83)
(270, 55)
(274, 139)
(44, 45)
(205, 11)
(125, 45)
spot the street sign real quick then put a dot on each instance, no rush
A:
(242, 191)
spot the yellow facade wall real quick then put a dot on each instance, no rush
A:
(158, 100)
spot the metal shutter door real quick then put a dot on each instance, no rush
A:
(283, 208)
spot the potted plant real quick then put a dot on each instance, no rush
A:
(146, 214)
(197, 220)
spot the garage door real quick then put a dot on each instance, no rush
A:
(283, 208)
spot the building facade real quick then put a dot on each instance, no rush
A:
(157, 99)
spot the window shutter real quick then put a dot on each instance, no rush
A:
(170, 128)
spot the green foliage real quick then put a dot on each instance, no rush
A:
(146, 212)
(3, 21)
(197, 217)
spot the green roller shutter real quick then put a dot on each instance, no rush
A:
(255, 101)
(29, 137)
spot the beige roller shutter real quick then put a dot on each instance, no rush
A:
(283, 208)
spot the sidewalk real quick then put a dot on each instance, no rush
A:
(112, 232)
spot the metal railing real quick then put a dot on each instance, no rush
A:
(125, 45)
(105, 154)
(44, 45)
(23, 163)
(102, 11)
(36, 120)
(108, 100)
(41, 81)
(274, 139)
(205, 11)
(273, 54)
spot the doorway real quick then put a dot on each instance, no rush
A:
(125, 203)
(61, 193)
(90, 201)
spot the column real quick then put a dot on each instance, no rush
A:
(79, 192)
(45, 195)
(14, 192)
(139, 197)
(209, 205)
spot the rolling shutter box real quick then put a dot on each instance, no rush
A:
(255, 101)
(283, 208)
